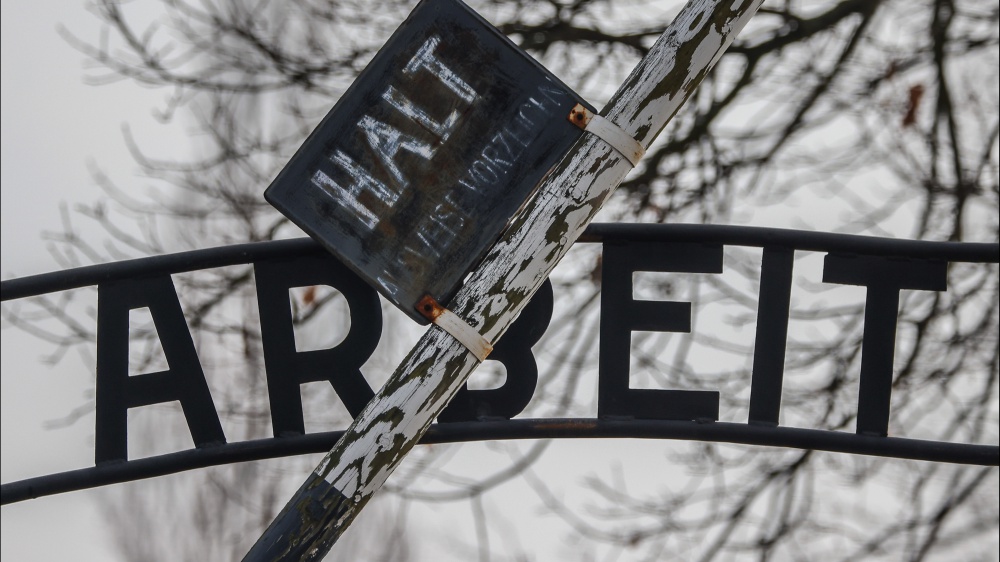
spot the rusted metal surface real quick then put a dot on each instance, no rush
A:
(580, 116)
(424, 160)
(429, 308)
(500, 286)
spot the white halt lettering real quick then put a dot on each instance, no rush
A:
(387, 141)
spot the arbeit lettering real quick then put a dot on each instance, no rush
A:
(621, 314)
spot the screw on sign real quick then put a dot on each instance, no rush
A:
(500, 285)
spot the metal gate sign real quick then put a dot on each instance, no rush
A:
(882, 266)
(417, 169)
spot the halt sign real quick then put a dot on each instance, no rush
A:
(417, 169)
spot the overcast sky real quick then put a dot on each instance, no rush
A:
(52, 126)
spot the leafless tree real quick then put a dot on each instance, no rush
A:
(870, 117)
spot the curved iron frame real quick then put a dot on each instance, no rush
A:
(239, 254)
(741, 433)
(464, 432)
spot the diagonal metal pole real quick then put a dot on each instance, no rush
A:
(399, 414)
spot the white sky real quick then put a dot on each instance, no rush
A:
(52, 125)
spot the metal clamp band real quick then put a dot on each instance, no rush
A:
(454, 325)
(607, 131)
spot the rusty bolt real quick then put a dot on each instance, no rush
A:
(579, 116)
(429, 308)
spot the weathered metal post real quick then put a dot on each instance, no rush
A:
(494, 294)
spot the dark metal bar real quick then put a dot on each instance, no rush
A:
(772, 334)
(560, 428)
(716, 234)
(167, 264)
(794, 239)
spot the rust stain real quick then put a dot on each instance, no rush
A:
(429, 308)
(579, 116)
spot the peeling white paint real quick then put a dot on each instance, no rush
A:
(525, 256)
(527, 252)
